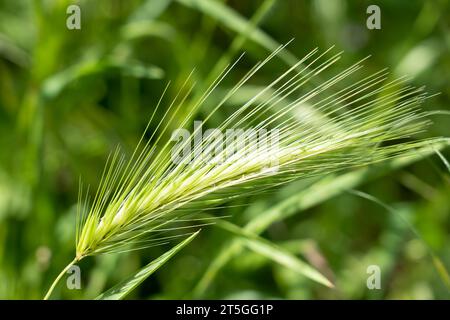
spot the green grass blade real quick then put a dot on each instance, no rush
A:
(150, 10)
(444, 160)
(275, 253)
(442, 270)
(57, 82)
(240, 39)
(122, 289)
(437, 262)
(234, 21)
(12, 52)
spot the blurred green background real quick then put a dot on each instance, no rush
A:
(68, 97)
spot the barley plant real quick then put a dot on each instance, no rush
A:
(141, 199)
(229, 149)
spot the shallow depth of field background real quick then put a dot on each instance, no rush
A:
(67, 98)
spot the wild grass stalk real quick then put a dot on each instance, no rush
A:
(142, 200)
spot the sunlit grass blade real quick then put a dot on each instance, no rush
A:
(437, 262)
(57, 82)
(275, 253)
(125, 287)
(234, 21)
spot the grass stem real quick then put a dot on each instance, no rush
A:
(49, 292)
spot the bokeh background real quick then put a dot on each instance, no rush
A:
(69, 97)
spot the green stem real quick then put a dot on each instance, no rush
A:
(49, 292)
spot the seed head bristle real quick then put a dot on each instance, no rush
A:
(140, 200)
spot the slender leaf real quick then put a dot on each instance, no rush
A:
(122, 289)
(275, 253)
(234, 21)
(56, 83)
